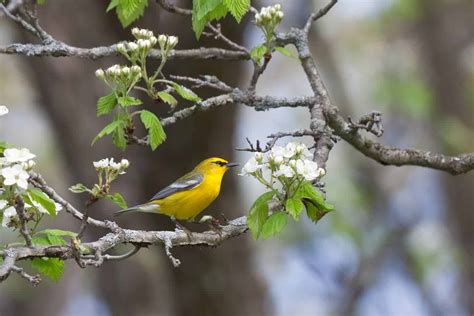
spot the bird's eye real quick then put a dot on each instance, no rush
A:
(219, 163)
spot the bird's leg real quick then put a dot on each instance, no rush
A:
(181, 227)
(212, 223)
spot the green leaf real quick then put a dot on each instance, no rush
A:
(308, 191)
(79, 188)
(53, 268)
(201, 8)
(237, 8)
(108, 129)
(274, 224)
(48, 240)
(40, 2)
(128, 11)
(57, 232)
(129, 101)
(106, 104)
(168, 98)
(118, 137)
(156, 134)
(294, 207)
(258, 213)
(285, 51)
(117, 199)
(112, 5)
(3, 146)
(45, 201)
(185, 93)
(258, 52)
(313, 212)
(205, 11)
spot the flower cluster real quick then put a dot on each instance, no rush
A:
(108, 170)
(269, 15)
(3, 110)
(15, 165)
(291, 161)
(119, 74)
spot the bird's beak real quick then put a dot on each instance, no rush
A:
(231, 164)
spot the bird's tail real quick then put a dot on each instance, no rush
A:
(144, 208)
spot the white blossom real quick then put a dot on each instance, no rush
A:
(284, 170)
(308, 169)
(3, 110)
(13, 155)
(101, 164)
(251, 166)
(8, 214)
(15, 175)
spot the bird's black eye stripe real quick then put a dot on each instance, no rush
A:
(220, 163)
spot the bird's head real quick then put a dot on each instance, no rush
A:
(215, 165)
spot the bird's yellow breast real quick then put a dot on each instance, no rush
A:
(186, 205)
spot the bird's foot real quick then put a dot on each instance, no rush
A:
(213, 224)
(180, 226)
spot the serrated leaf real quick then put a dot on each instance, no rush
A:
(117, 199)
(168, 98)
(129, 101)
(156, 134)
(205, 11)
(313, 212)
(106, 104)
(201, 8)
(274, 224)
(285, 51)
(258, 52)
(294, 207)
(308, 191)
(128, 11)
(185, 93)
(112, 5)
(79, 188)
(258, 214)
(237, 8)
(53, 268)
(45, 201)
(108, 129)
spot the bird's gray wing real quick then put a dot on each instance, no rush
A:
(186, 182)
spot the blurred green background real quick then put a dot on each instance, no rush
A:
(402, 239)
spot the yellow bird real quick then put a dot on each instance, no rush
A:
(188, 196)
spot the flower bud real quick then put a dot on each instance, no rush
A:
(132, 46)
(259, 157)
(125, 71)
(277, 7)
(136, 69)
(135, 31)
(124, 163)
(121, 48)
(172, 41)
(280, 15)
(99, 73)
(162, 39)
(153, 40)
